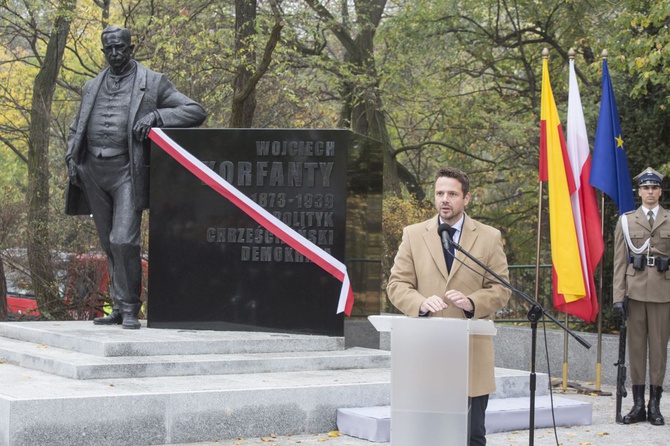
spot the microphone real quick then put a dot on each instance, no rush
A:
(445, 232)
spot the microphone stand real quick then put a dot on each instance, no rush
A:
(534, 314)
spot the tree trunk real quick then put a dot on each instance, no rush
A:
(104, 11)
(244, 102)
(366, 115)
(361, 101)
(249, 73)
(39, 255)
(3, 292)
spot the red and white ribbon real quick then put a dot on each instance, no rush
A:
(289, 236)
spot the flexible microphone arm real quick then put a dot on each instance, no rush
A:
(536, 310)
(534, 314)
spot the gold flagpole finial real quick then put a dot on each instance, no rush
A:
(605, 54)
(571, 53)
(545, 53)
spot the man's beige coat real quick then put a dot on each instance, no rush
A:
(420, 271)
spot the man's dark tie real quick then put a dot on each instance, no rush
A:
(651, 218)
(449, 254)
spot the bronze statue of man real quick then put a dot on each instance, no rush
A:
(108, 161)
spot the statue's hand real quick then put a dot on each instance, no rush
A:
(72, 173)
(142, 127)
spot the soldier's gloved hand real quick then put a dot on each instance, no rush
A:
(620, 311)
(142, 127)
(72, 172)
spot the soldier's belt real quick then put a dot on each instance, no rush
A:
(639, 261)
(662, 264)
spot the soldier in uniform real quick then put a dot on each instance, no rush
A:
(108, 160)
(641, 250)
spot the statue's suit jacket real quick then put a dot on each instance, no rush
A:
(648, 285)
(152, 91)
(420, 271)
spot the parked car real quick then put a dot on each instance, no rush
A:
(83, 285)
(21, 303)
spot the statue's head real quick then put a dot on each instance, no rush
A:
(117, 47)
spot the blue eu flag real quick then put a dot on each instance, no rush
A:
(609, 170)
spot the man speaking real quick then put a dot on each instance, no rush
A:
(430, 280)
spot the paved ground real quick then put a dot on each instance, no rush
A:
(602, 432)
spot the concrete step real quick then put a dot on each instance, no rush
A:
(37, 408)
(76, 365)
(516, 384)
(84, 337)
(64, 349)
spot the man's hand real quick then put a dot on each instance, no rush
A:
(72, 173)
(432, 304)
(142, 127)
(459, 299)
(620, 311)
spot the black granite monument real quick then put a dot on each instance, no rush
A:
(211, 266)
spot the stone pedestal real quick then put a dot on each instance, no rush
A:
(213, 267)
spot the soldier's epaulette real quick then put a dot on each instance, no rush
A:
(630, 212)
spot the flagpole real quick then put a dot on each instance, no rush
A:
(545, 54)
(600, 285)
(571, 56)
(533, 325)
(600, 299)
(565, 355)
(600, 289)
(539, 237)
(539, 243)
(531, 422)
(599, 350)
